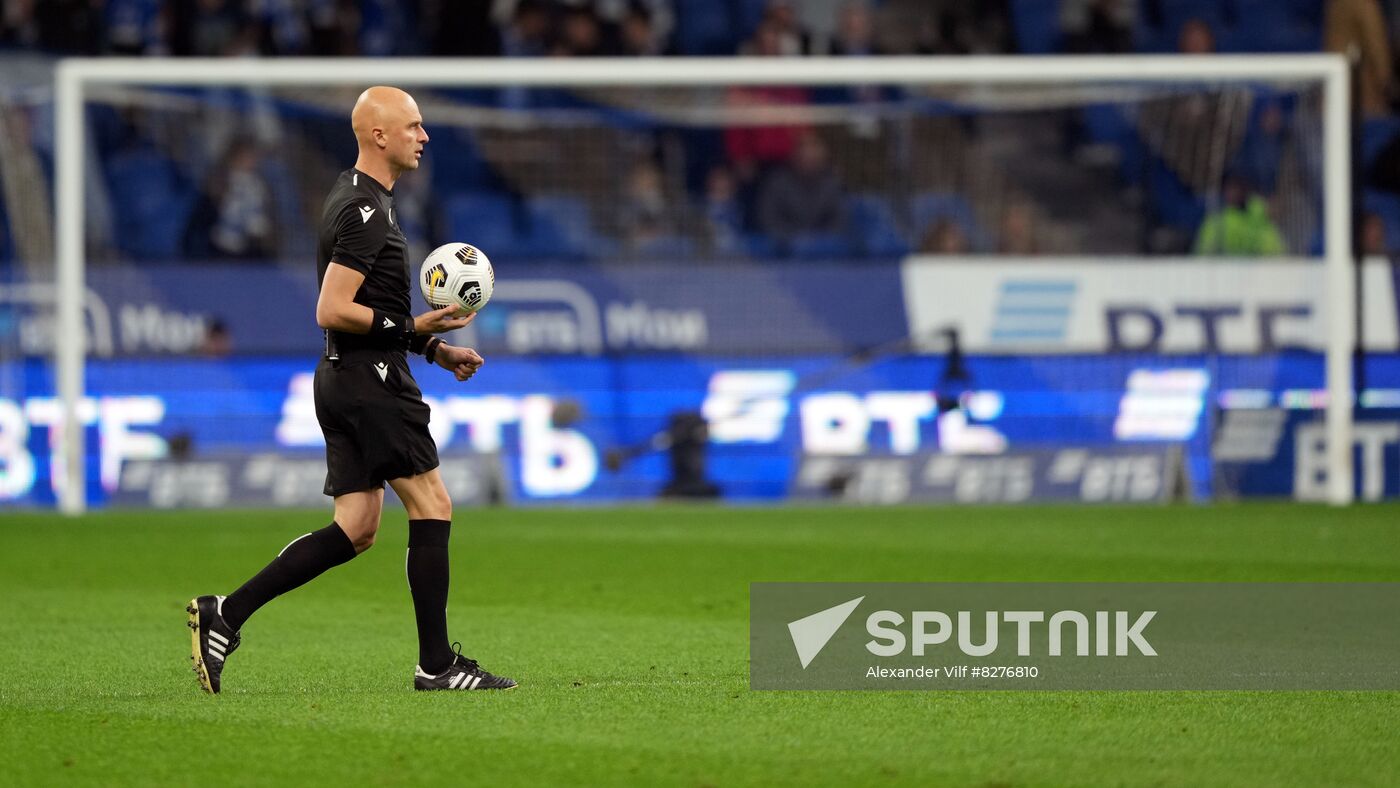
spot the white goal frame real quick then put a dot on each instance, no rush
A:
(74, 76)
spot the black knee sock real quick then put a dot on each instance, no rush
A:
(427, 582)
(298, 563)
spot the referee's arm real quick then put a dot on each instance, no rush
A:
(336, 308)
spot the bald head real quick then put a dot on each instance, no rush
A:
(389, 129)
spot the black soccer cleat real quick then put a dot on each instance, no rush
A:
(211, 640)
(462, 674)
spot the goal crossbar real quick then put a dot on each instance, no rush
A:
(75, 75)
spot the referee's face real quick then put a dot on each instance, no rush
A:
(405, 134)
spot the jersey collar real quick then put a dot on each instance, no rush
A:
(376, 184)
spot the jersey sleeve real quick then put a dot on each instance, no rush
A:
(360, 231)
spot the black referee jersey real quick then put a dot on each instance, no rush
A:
(359, 231)
(369, 406)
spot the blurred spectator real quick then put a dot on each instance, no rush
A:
(637, 36)
(1373, 240)
(134, 27)
(804, 196)
(855, 30)
(944, 27)
(1356, 28)
(660, 16)
(1196, 132)
(70, 27)
(724, 214)
(283, 27)
(527, 35)
(854, 37)
(456, 29)
(1242, 226)
(334, 27)
(386, 28)
(217, 341)
(944, 236)
(1017, 231)
(752, 149)
(18, 27)
(644, 213)
(1097, 26)
(211, 28)
(1263, 148)
(580, 34)
(234, 217)
(793, 38)
(1195, 38)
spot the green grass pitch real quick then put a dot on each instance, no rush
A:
(627, 629)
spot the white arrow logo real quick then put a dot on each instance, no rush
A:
(389, 323)
(811, 634)
(383, 370)
(365, 213)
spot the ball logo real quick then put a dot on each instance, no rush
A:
(435, 277)
(470, 293)
(467, 254)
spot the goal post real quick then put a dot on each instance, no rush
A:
(75, 80)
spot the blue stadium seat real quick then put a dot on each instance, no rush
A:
(151, 205)
(1037, 26)
(562, 226)
(703, 27)
(485, 220)
(1105, 123)
(1159, 33)
(929, 207)
(809, 246)
(455, 160)
(1272, 26)
(874, 231)
(665, 248)
(746, 16)
(1376, 134)
(287, 206)
(1172, 202)
(760, 245)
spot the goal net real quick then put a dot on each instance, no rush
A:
(875, 279)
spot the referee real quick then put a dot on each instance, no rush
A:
(369, 407)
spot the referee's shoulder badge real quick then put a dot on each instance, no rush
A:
(365, 213)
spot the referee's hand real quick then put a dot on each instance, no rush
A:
(463, 362)
(441, 321)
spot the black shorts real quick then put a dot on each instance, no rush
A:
(374, 420)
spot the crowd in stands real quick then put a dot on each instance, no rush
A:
(779, 190)
(515, 28)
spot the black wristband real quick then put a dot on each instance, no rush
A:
(418, 343)
(430, 351)
(391, 326)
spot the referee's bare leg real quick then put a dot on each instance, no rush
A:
(429, 526)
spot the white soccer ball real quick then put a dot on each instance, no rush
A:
(457, 275)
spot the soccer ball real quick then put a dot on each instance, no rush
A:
(457, 275)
